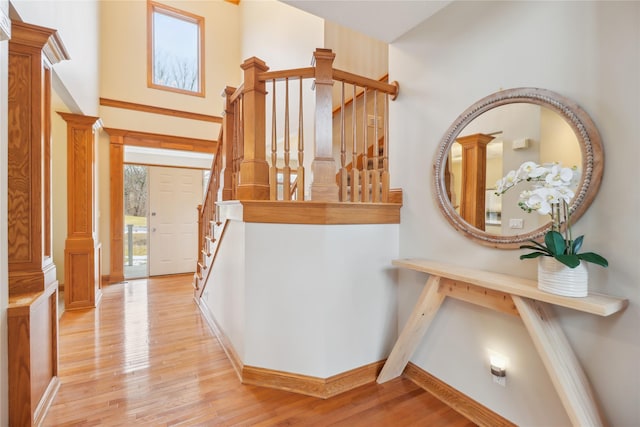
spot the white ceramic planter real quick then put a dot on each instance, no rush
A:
(556, 278)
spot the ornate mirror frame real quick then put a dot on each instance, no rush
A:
(590, 148)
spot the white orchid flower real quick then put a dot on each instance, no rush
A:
(526, 169)
(507, 182)
(565, 193)
(539, 203)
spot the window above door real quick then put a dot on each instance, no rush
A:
(175, 50)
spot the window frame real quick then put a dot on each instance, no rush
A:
(155, 7)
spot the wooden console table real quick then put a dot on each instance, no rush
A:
(515, 296)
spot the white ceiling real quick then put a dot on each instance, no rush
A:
(385, 20)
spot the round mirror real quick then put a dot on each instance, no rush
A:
(496, 135)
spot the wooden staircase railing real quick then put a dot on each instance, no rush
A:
(299, 104)
(257, 166)
(207, 216)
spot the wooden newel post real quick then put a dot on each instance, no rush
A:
(474, 177)
(323, 167)
(228, 129)
(254, 170)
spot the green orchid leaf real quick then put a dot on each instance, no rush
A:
(555, 243)
(571, 261)
(532, 255)
(537, 248)
(538, 245)
(594, 258)
(577, 244)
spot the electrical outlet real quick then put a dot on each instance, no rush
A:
(501, 381)
(516, 223)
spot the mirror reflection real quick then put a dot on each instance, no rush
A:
(496, 135)
(494, 143)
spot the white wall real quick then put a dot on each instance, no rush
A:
(224, 297)
(356, 52)
(123, 56)
(123, 59)
(283, 37)
(78, 25)
(320, 299)
(589, 52)
(319, 312)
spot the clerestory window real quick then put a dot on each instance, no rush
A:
(175, 50)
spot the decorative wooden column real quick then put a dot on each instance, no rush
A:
(33, 288)
(474, 177)
(228, 126)
(116, 214)
(82, 273)
(324, 186)
(254, 169)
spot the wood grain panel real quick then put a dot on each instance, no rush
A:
(43, 340)
(282, 212)
(106, 102)
(80, 181)
(81, 251)
(32, 324)
(116, 217)
(323, 388)
(494, 300)
(423, 313)
(79, 279)
(602, 305)
(323, 167)
(47, 230)
(567, 376)
(253, 183)
(21, 161)
(18, 326)
(169, 142)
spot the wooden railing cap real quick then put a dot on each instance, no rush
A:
(254, 62)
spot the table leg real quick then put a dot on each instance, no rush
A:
(558, 357)
(423, 313)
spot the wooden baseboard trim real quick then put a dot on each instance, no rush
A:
(46, 400)
(224, 341)
(323, 388)
(303, 384)
(474, 411)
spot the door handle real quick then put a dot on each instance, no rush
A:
(153, 229)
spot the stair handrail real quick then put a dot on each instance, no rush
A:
(251, 169)
(207, 210)
(240, 170)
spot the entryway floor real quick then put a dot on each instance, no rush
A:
(146, 357)
(135, 271)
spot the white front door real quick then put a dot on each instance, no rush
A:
(174, 195)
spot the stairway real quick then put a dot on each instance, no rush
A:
(207, 255)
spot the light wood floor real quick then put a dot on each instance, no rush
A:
(146, 357)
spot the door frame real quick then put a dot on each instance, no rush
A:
(118, 139)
